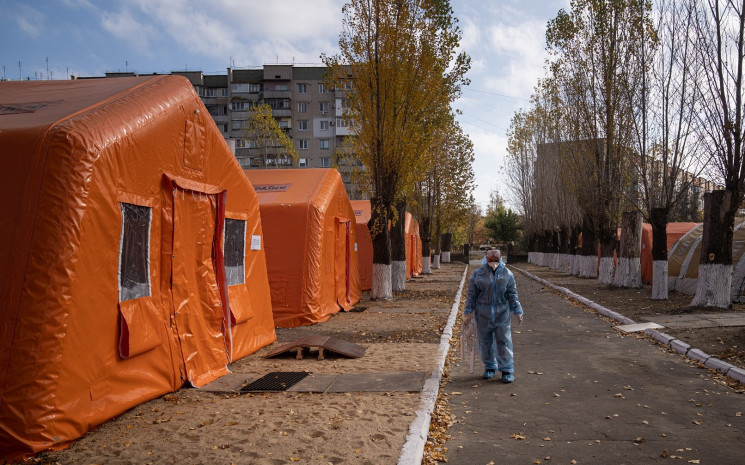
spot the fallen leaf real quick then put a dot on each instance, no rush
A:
(294, 459)
(519, 436)
(547, 438)
(694, 461)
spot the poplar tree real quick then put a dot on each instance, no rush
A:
(401, 57)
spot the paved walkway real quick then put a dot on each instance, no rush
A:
(586, 394)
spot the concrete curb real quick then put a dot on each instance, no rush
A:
(664, 339)
(412, 451)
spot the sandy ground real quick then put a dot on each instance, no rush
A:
(193, 426)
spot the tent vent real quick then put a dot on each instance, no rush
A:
(276, 381)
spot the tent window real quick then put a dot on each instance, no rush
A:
(134, 252)
(234, 250)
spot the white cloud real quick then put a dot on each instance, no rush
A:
(522, 47)
(30, 20)
(127, 28)
(250, 32)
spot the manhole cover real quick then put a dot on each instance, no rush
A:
(276, 381)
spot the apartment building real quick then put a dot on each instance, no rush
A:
(691, 206)
(311, 114)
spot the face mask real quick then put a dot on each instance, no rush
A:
(493, 265)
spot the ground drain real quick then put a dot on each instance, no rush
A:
(276, 381)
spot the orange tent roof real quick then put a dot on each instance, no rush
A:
(113, 281)
(310, 240)
(364, 242)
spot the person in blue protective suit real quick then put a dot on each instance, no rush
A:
(492, 296)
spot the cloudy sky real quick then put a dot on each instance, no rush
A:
(55, 38)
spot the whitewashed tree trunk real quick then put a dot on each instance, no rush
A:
(445, 257)
(381, 282)
(398, 275)
(574, 267)
(436, 262)
(588, 266)
(659, 280)
(713, 289)
(628, 273)
(426, 269)
(567, 264)
(605, 273)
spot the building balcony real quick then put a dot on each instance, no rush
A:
(275, 94)
(282, 113)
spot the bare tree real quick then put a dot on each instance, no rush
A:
(592, 47)
(722, 46)
(667, 140)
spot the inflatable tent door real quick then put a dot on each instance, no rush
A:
(197, 301)
(342, 262)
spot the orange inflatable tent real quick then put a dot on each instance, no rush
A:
(674, 232)
(310, 240)
(413, 247)
(364, 242)
(117, 286)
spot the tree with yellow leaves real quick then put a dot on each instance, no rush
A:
(266, 137)
(401, 57)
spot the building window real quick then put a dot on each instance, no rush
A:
(303, 144)
(325, 162)
(224, 127)
(239, 106)
(324, 125)
(302, 107)
(302, 88)
(224, 92)
(348, 85)
(239, 87)
(324, 106)
(234, 251)
(303, 163)
(281, 87)
(341, 123)
(322, 89)
(324, 144)
(210, 92)
(239, 124)
(255, 88)
(134, 252)
(302, 125)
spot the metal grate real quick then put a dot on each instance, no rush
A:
(276, 381)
